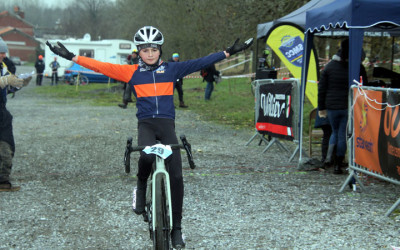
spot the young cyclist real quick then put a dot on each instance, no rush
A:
(152, 83)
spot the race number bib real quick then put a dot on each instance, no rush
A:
(159, 149)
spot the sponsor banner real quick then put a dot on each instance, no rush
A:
(275, 112)
(389, 138)
(287, 42)
(366, 129)
(376, 132)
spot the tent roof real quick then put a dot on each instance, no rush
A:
(371, 14)
(297, 17)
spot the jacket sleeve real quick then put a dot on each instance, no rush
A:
(118, 72)
(322, 87)
(214, 70)
(187, 67)
(10, 65)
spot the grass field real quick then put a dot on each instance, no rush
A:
(232, 101)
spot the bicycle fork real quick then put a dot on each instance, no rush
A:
(162, 171)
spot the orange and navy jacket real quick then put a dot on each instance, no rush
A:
(153, 90)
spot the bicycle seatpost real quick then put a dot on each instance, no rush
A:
(188, 148)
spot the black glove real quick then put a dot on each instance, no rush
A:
(61, 50)
(236, 47)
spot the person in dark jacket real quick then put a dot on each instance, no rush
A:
(7, 144)
(39, 66)
(127, 95)
(179, 83)
(151, 81)
(333, 91)
(210, 72)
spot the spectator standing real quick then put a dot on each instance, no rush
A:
(54, 65)
(208, 76)
(7, 144)
(179, 83)
(333, 90)
(39, 66)
(127, 95)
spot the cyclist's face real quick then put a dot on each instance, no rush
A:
(149, 55)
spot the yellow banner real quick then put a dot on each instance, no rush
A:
(288, 43)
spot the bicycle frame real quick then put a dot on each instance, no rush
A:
(161, 152)
(162, 171)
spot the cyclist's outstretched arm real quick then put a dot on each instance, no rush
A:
(116, 71)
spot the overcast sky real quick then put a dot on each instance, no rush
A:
(49, 3)
(54, 3)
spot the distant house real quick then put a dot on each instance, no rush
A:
(18, 35)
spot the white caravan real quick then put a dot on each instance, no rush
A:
(112, 51)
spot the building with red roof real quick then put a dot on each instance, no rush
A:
(18, 35)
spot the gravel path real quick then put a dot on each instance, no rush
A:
(75, 194)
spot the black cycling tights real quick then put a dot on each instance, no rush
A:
(162, 129)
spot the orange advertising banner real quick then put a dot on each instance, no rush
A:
(366, 129)
(377, 131)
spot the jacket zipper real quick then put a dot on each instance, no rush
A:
(155, 93)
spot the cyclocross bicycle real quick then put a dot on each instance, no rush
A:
(158, 193)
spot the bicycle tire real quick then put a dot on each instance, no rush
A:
(83, 80)
(148, 216)
(161, 235)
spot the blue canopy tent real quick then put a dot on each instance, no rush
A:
(297, 17)
(356, 16)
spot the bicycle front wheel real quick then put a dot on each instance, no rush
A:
(161, 235)
(83, 80)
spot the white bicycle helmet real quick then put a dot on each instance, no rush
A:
(148, 35)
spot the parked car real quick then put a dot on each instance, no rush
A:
(16, 60)
(86, 75)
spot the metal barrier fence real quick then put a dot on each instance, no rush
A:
(276, 112)
(374, 135)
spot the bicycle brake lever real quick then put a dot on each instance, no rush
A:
(188, 149)
(127, 156)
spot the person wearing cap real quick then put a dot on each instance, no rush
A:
(7, 144)
(133, 58)
(127, 95)
(152, 82)
(179, 82)
(54, 65)
(39, 66)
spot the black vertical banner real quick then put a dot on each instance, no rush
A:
(389, 137)
(275, 112)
